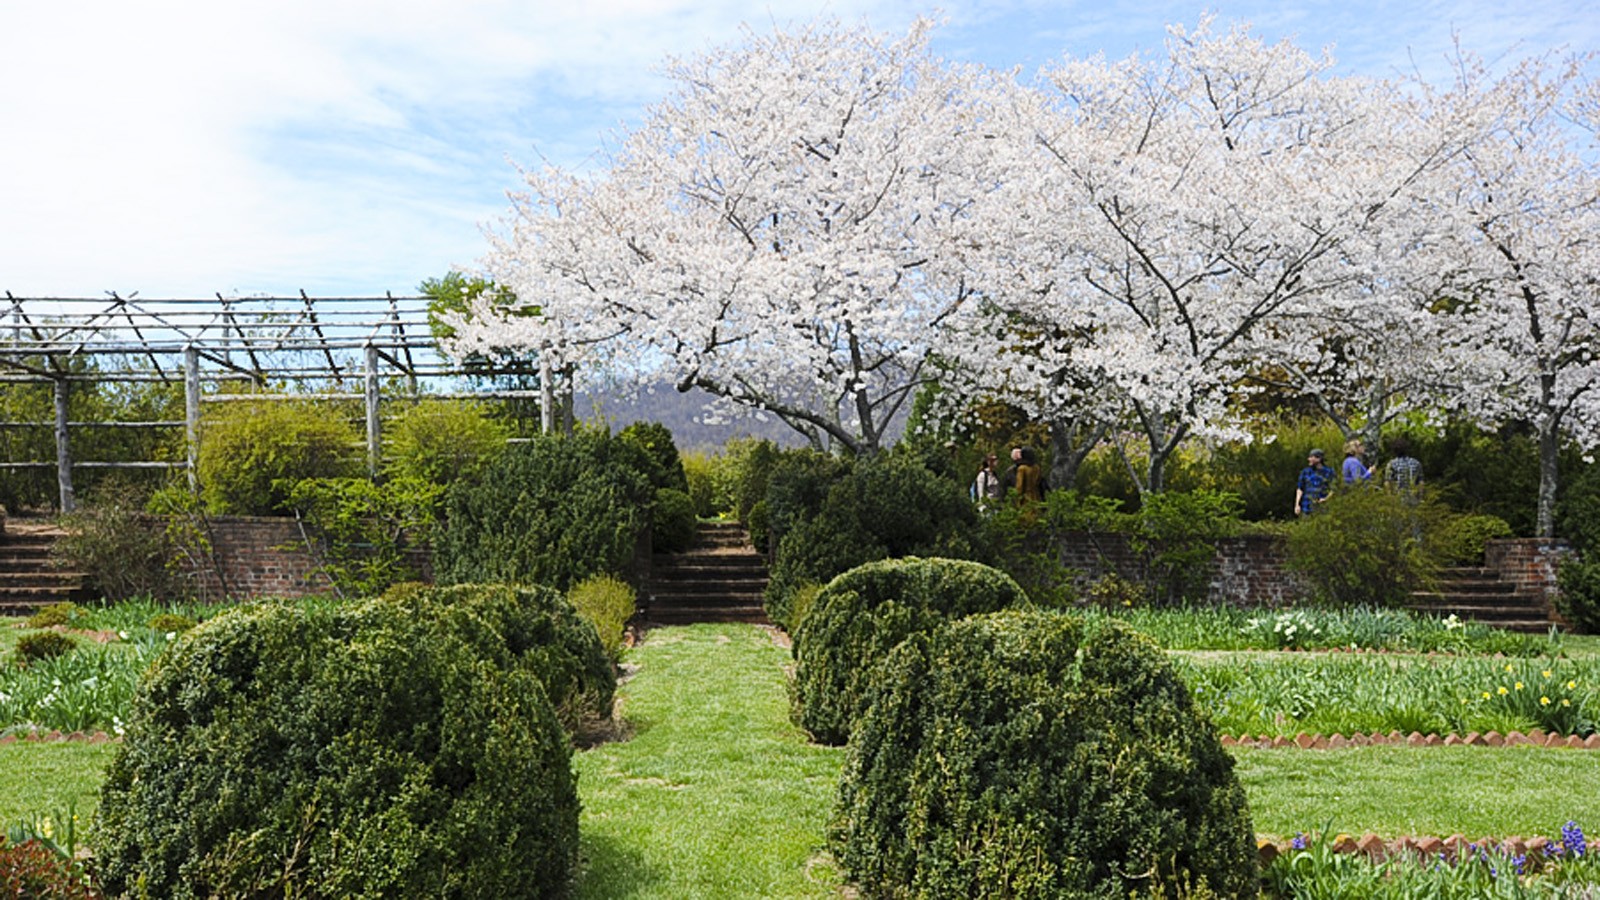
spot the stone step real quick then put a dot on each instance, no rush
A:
(689, 615)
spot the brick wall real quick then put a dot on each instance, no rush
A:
(1246, 571)
(264, 556)
(1529, 563)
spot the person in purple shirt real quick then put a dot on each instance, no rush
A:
(1355, 470)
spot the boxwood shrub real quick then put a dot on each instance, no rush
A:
(861, 615)
(340, 751)
(537, 629)
(994, 760)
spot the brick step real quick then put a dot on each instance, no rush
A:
(1484, 588)
(680, 571)
(692, 594)
(43, 578)
(675, 560)
(689, 615)
(25, 556)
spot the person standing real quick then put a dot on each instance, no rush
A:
(1008, 481)
(1404, 471)
(1356, 470)
(1030, 478)
(1314, 485)
(987, 488)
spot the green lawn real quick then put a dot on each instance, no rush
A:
(716, 794)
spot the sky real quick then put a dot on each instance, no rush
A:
(185, 149)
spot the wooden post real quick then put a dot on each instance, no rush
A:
(547, 395)
(63, 449)
(191, 413)
(374, 425)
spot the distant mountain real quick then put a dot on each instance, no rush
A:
(683, 413)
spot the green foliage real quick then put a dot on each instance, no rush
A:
(341, 751)
(699, 472)
(1578, 600)
(365, 529)
(552, 511)
(664, 469)
(42, 645)
(861, 615)
(743, 474)
(881, 508)
(1027, 541)
(995, 760)
(171, 623)
(120, 548)
(607, 603)
(53, 614)
(253, 454)
(1460, 540)
(1175, 535)
(1262, 472)
(673, 522)
(1366, 546)
(544, 634)
(442, 441)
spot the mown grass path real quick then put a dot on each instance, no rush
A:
(715, 794)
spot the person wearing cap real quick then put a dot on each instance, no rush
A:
(1316, 481)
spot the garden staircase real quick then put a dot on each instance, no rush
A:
(28, 577)
(1481, 595)
(722, 579)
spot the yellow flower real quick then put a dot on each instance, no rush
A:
(1485, 695)
(1546, 673)
(1519, 685)
(1508, 667)
(1572, 685)
(1502, 690)
(1565, 702)
(1544, 701)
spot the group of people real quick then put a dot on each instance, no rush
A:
(1023, 476)
(1317, 479)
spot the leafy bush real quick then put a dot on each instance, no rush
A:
(253, 454)
(33, 870)
(607, 603)
(340, 751)
(664, 468)
(41, 645)
(995, 760)
(1362, 546)
(122, 551)
(672, 526)
(1262, 472)
(1027, 542)
(699, 472)
(53, 614)
(1578, 600)
(544, 634)
(1461, 539)
(882, 508)
(552, 511)
(443, 441)
(1175, 535)
(861, 615)
(171, 623)
(365, 528)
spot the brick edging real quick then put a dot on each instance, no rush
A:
(1303, 741)
(53, 736)
(1451, 848)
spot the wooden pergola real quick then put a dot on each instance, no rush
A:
(335, 347)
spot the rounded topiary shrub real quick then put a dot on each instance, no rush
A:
(535, 628)
(339, 752)
(673, 522)
(996, 761)
(41, 645)
(861, 615)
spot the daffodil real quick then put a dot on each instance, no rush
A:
(1519, 685)
(1544, 701)
(1502, 690)
(1572, 685)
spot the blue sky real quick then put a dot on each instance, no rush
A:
(181, 149)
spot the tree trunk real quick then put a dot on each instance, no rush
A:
(1071, 442)
(1549, 473)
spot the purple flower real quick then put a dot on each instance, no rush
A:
(1519, 861)
(1299, 842)
(1572, 839)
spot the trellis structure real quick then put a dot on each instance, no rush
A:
(214, 347)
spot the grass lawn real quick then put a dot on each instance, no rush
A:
(45, 778)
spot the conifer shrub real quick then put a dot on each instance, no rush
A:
(672, 524)
(1578, 600)
(540, 632)
(552, 511)
(861, 615)
(174, 623)
(340, 751)
(995, 760)
(52, 614)
(663, 465)
(37, 646)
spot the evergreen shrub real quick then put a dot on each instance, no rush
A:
(673, 522)
(1578, 600)
(608, 603)
(994, 760)
(340, 751)
(861, 615)
(662, 464)
(37, 646)
(1461, 539)
(63, 613)
(252, 454)
(171, 623)
(882, 508)
(1367, 546)
(542, 633)
(552, 511)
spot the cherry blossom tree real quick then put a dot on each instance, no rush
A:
(767, 234)
(1525, 209)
